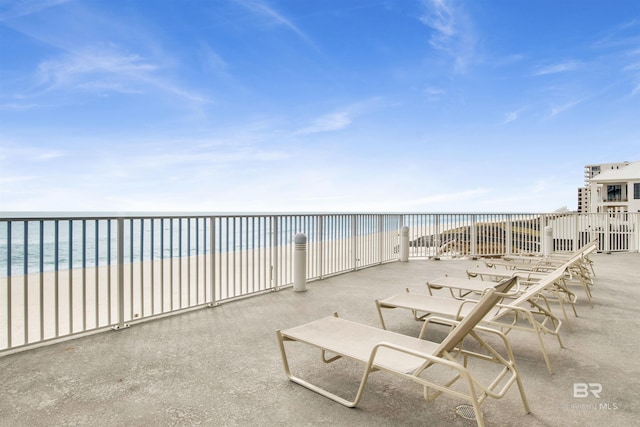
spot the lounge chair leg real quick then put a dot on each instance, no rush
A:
(523, 396)
(544, 352)
(380, 314)
(315, 388)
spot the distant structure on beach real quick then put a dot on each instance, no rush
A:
(610, 187)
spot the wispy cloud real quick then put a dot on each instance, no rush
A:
(69, 68)
(271, 14)
(557, 109)
(24, 8)
(327, 123)
(12, 152)
(132, 61)
(434, 93)
(620, 36)
(212, 60)
(561, 67)
(18, 106)
(634, 70)
(107, 69)
(452, 31)
(341, 118)
(511, 116)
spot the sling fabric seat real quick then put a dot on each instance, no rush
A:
(530, 305)
(410, 357)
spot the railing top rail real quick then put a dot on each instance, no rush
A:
(50, 216)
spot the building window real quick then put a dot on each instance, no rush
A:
(614, 193)
(636, 190)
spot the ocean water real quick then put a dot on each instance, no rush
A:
(52, 245)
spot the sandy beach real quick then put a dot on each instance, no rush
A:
(56, 304)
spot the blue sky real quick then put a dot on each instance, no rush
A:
(313, 105)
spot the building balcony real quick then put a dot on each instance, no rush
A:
(220, 366)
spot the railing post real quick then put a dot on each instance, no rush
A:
(548, 240)
(121, 324)
(404, 244)
(300, 263)
(542, 224)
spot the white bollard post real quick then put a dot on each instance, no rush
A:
(404, 244)
(548, 240)
(300, 263)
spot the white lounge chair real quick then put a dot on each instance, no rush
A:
(530, 306)
(410, 357)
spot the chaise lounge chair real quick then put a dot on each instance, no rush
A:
(578, 268)
(529, 311)
(410, 357)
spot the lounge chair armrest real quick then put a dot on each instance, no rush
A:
(428, 358)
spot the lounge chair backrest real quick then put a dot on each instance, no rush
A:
(487, 302)
(504, 285)
(544, 283)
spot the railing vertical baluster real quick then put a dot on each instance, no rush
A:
(41, 282)
(9, 296)
(70, 282)
(227, 255)
(121, 324)
(239, 254)
(109, 271)
(131, 259)
(171, 262)
(542, 223)
(354, 241)
(212, 260)
(320, 244)
(141, 285)
(180, 237)
(56, 266)
(84, 274)
(256, 251)
(188, 259)
(152, 264)
(266, 254)
(97, 270)
(197, 260)
(25, 282)
(220, 253)
(474, 236)
(274, 253)
(162, 265)
(509, 236)
(247, 248)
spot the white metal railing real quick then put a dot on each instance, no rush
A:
(64, 275)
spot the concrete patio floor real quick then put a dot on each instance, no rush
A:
(221, 366)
